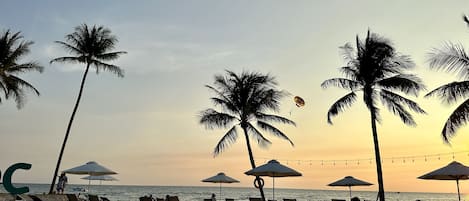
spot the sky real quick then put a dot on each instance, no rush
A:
(145, 126)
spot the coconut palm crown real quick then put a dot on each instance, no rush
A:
(12, 50)
(90, 46)
(376, 70)
(245, 100)
(452, 58)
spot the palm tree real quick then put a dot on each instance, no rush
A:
(244, 99)
(89, 46)
(454, 59)
(12, 49)
(376, 70)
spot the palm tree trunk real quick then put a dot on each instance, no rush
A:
(253, 164)
(379, 170)
(57, 167)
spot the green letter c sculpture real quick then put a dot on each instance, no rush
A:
(7, 178)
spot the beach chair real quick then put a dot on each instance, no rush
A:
(93, 198)
(229, 199)
(255, 199)
(145, 198)
(35, 198)
(71, 197)
(24, 197)
(207, 199)
(173, 198)
(284, 199)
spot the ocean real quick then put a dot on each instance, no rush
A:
(187, 193)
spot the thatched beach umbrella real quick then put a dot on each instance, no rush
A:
(273, 169)
(350, 181)
(220, 178)
(453, 171)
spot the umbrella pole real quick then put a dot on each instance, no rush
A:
(457, 184)
(350, 191)
(273, 188)
(220, 191)
(89, 185)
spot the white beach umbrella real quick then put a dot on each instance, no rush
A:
(273, 169)
(100, 178)
(453, 171)
(349, 181)
(220, 178)
(91, 168)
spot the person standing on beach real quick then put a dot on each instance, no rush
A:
(213, 197)
(61, 184)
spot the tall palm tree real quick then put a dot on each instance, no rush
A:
(13, 49)
(378, 71)
(89, 46)
(244, 99)
(454, 59)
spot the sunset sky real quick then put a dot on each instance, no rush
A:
(145, 125)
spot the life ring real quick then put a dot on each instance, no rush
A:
(258, 182)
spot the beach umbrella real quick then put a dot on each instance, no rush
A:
(349, 181)
(453, 171)
(91, 168)
(273, 169)
(100, 178)
(220, 178)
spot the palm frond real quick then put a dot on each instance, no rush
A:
(393, 104)
(342, 83)
(452, 58)
(276, 132)
(403, 101)
(228, 139)
(451, 92)
(256, 135)
(213, 119)
(21, 84)
(72, 49)
(25, 67)
(273, 118)
(406, 83)
(110, 55)
(340, 105)
(458, 118)
(108, 67)
(223, 100)
(79, 59)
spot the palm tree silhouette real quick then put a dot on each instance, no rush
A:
(89, 46)
(376, 70)
(13, 49)
(244, 99)
(454, 59)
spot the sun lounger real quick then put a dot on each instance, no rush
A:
(255, 199)
(338, 200)
(93, 198)
(145, 198)
(207, 199)
(72, 197)
(24, 197)
(173, 198)
(35, 198)
(289, 199)
(229, 199)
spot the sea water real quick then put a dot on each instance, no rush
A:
(187, 193)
